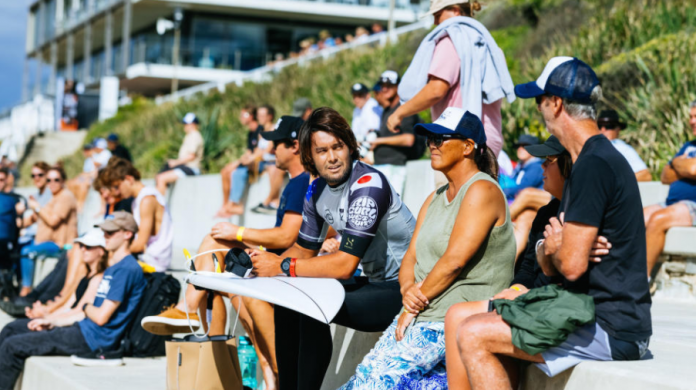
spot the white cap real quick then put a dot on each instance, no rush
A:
(94, 237)
(450, 118)
(100, 143)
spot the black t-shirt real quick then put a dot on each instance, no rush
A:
(528, 272)
(602, 192)
(253, 138)
(394, 155)
(122, 151)
(122, 205)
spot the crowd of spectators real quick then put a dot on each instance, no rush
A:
(325, 40)
(547, 259)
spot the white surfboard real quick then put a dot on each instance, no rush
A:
(319, 298)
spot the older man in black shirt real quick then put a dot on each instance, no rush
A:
(600, 198)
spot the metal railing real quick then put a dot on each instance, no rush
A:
(265, 73)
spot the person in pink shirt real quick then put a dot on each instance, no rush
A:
(444, 88)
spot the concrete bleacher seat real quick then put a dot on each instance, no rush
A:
(680, 240)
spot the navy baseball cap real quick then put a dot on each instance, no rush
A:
(359, 89)
(565, 77)
(455, 121)
(112, 137)
(552, 147)
(190, 118)
(526, 139)
(287, 127)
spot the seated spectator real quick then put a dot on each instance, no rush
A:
(680, 207)
(57, 225)
(257, 317)
(610, 125)
(96, 259)
(267, 118)
(188, 162)
(377, 228)
(302, 108)
(600, 198)
(111, 197)
(233, 182)
(439, 268)
(524, 208)
(43, 195)
(96, 328)
(12, 171)
(99, 157)
(377, 28)
(116, 149)
(155, 235)
(361, 34)
(528, 275)
(9, 233)
(391, 149)
(527, 173)
(367, 115)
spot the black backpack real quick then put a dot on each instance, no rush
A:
(162, 291)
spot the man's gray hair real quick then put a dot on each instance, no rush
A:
(692, 104)
(582, 111)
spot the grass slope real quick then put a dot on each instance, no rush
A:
(643, 51)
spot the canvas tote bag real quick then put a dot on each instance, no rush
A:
(203, 363)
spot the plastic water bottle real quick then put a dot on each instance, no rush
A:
(247, 362)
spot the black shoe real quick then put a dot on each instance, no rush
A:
(100, 358)
(263, 209)
(13, 309)
(23, 301)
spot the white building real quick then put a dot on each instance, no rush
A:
(85, 40)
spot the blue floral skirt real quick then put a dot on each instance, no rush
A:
(415, 363)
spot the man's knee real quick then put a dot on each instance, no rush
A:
(470, 334)
(456, 314)
(660, 221)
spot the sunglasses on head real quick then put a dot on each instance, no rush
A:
(437, 140)
(35, 175)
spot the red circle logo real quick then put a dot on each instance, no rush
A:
(364, 179)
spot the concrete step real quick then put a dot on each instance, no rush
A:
(53, 146)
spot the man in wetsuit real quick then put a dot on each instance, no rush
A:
(376, 228)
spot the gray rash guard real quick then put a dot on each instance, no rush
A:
(375, 224)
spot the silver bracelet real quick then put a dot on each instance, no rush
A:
(538, 244)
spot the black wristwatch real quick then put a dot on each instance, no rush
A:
(285, 266)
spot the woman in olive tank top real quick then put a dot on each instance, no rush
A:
(463, 249)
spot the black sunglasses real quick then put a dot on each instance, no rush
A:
(436, 140)
(539, 98)
(34, 176)
(54, 180)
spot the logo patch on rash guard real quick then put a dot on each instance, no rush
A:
(362, 213)
(367, 180)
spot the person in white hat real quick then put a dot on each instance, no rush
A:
(458, 64)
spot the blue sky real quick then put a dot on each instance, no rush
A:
(13, 20)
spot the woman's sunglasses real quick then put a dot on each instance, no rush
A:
(54, 180)
(35, 175)
(437, 140)
(550, 160)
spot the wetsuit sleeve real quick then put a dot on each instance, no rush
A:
(368, 202)
(314, 228)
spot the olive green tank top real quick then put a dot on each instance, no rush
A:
(487, 273)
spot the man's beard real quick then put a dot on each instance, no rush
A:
(335, 182)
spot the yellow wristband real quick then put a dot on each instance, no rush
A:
(515, 288)
(406, 311)
(240, 233)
